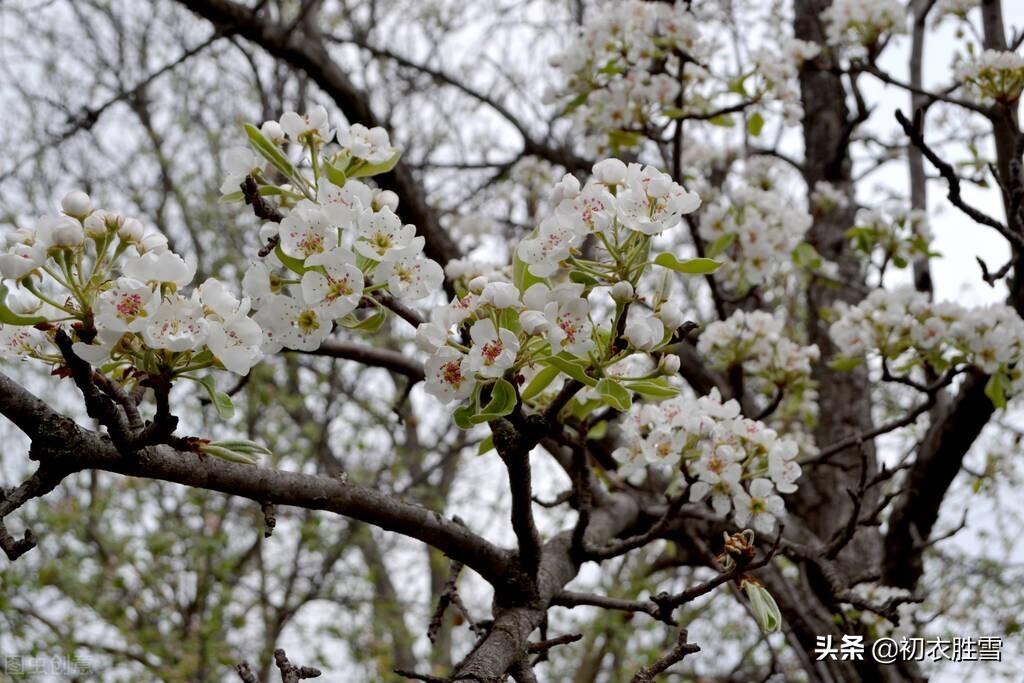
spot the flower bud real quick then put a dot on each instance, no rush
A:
(385, 198)
(610, 171)
(762, 604)
(66, 232)
(154, 242)
(670, 314)
(500, 294)
(532, 321)
(477, 284)
(23, 303)
(130, 230)
(77, 204)
(669, 364)
(622, 292)
(272, 131)
(268, 231)
(96, 223)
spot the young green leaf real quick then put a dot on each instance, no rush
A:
(693, 266)
(614, 394)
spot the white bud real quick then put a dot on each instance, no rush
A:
(500, 294)
(23, 303)
(131, 230)
(477, 284)
(96, 223)
(610, 171)
(272, 131)
(622, 292)
(533, 322)
(66, 232)
(670, 315)
(77, 204)
(669, 364)
(385, 198)
(268, 231)
(154, 242)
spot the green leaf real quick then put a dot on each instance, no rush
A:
(486, 445)
(598, 431)
(269, 151)
(614, 394)
(845, 363)
(623, 139)
(463, 415)
(503, 402)
(540, 382)
(9, 317)
(693, 266)
(365, 170)
(806, 256)
(221, 401)
(722, 121)
(370, 324)
(575, 103)
(522, 278)
(290, 262)
(995, 389)
(571, 366)
(334, 174)
(755, 124)
(583, 278)
(720, 245)
(655, 388)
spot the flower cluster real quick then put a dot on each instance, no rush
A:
(903, 327)
(897, 234)
(739, 463)
(607, 69)
(339, 240)
(774, 365)
(636, 65)
(758, 228)
(992, 76)
(863, 23)
(504, 326)
(120, 292)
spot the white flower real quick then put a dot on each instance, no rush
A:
(312, 124)
(652, 202)
(159, 266)
(77, 204)
(644, 332)
(548, 248)
(239, 162)
(126, 307)
(98, 352)
(338, 288)
(569, 326)
(307, 231)
(177, 325)
(21, 259)
(500, 295)
(760, 507)
(494, 351)
(294, 324)
(344, 205)
(622, 292)
(382, 237)
(371, 144)
(272, 131)
(412, 276)
(610, 172)
(60, 231)
(18, 341)
(447, 375)
(130, 230)
(256, 283)
(235, 342)
(782, 466)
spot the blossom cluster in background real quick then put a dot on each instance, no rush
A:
(863, 23)
(739, 464)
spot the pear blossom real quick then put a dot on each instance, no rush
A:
(239, 162)
(500, 294)
(412, 276)
(382, 237)
(236, 342)
(338, 287)
(545, 251)
(306, 231)
(159, 266)
(568, 317)
(652, 202)
(177, 325)
(77, 204)
(293, 323)
(344, 205)
(313, 124)
(760, 507)
(371, 144)
(126, 307)
(644, 332)
(18, 341)
(448, 377)
(493, 351)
